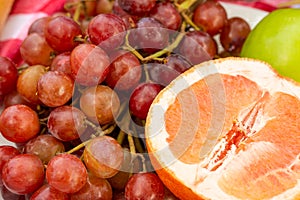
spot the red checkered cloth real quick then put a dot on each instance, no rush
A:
(24, 12)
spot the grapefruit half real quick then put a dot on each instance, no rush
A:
(227, 129)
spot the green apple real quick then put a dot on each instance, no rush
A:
(276, 40)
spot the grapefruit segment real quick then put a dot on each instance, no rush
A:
(227, 129)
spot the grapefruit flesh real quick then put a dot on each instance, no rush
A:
(227, 129)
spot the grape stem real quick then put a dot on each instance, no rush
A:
(160, 53)
(131, 144)
(78, 147)
(190, 22)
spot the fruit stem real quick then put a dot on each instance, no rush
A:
(131, 144)
(78, 147)
(190, 22)
(120, 137)
(185, 5)
(167, 49)
(138, 145)
(131, 49)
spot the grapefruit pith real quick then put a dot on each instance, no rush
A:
(227, 129)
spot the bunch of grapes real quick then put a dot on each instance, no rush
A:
(75, 110)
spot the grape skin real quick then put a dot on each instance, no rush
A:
(23, 174)
(55, 88)
(66, 173)
(13, 126)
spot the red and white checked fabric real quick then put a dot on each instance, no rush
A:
(24, 12)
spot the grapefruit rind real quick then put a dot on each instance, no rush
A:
(183, 179)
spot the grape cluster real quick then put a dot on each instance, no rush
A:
(76, 108)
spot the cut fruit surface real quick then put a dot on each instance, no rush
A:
(227, 129)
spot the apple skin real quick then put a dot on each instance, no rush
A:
(276, 40)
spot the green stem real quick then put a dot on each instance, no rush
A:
(185, 5)
(121, 137)
(131, 49)
(190, 22)
(131, 144)
(78, 147)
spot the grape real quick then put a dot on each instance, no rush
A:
(60, 33)
(44, 146)
(119, 180)
(125, 71)
(35, 50)
(100, 104)
(234, 34)
(103, 156)
(167, 15)
(129, 20)
(137, 7)
(150, 35)
(211, 16)
(23, 174)
(95, 189)
(89, 64)
(197, 47)
(8, 76)
(66, 123)
(163, 74)
(39, 25)
(104, 6)
(66, 173)
(142, 97)
(19, 123)
(27, 83)
(14, 98)
(107, 31)
(145, 185)
(6, 153)
(48, 192)
(6, 194)
(61, 63)
(55, 88)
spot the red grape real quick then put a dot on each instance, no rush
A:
(28, 81)
(19, 123)
(66, 123)
(103, 156)
(150, 35)
(107, 31)
(60, 33)
(163, 74)
(145, 185)
(66, 173)
(48, 192)
(6, 153)
(8, 76)
(211, 16)
(197, 47)
(167, 14)
(142, 97)
(55, 88)
(14, 98)
(89, 64)
(6, 194)
(95, 189)
(137, 7)
(23, 174)
(125, 71)
(100, 104)
(39, 25)
(61, 63)
(35, 50)
(234, 34)
(104, 6)
(44, 146)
